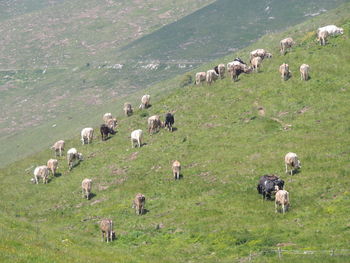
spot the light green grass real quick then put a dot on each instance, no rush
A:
(213, 214)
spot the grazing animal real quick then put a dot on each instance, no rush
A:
(236, 61)
(220, 70)
(237, 70)
(212, 76)
(291, 160)
(106, 226)
(86, 185)
(281, 199)
(139, 203)
(259, 53)
(285, 44)
(169, 121)
(72, 157)
(87, 135)
(105, 130)
(304, 71)
(145, 100)
(154, 124)
(41, 172)
(332, 30)
(256, 63)
(52, 164)
(128, 109)
(200, 77)
(107, 116)
(58, 147)
(266, 185)
(322, 37)
(284, 70)
(136, 136)
(109, 120)
(176, 169)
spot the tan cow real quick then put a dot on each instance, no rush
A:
(201, 77)
(304, 71)
(106, 226)
(284, 71)
(41, 172)
(256, 63)
(128, 109)
(281, 199)
(285, 44)
(139, 203)
(212, 76)
(154, 124)
(176, 167)
(322, 37)
(86, 185)
(58, 147)
(291, 160)
(52, 164)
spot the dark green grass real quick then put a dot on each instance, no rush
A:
(213, 214)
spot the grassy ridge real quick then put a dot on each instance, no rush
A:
(214, 213)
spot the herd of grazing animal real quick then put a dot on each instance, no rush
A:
(268, 185)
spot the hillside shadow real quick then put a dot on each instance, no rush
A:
(174, 129)
(145, 211)
(92, 195)
(57, 174)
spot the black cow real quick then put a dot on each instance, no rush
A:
(240, 60)
(267, 183)
(105, 130)
(169, 121)
(216, 68)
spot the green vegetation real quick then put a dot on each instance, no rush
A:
(213, 214)
(60, 60)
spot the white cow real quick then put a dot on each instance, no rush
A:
(58, 147)
(86, 188)
(200, 77)
(291, 160)
(285, 44)
(136, 135)
(260, 53)
(281, 199)
(284, 71)
(52, 164)
(211, 76)
(87, 135)
(304, 71)
(73, 156)
(256, 63)
(145, 100)
(41, 172)
(332, 30)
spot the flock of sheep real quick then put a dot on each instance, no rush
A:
(268, 184)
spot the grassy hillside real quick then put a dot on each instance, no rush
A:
(65, 61)
(213, 214)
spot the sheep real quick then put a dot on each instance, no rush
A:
(281, 199)
(256, 63)
(106, 226)
(176, 167)
(284, 71)
(291, 160)
(86, 188)
(285, 44)
(41, 172)
(304, 71)
(52, 164)
(72, 157)
(58, 147)
(200, 77)
(154, 124)
(145, 100)
(128, 109)
(137, 136)
(139, 203)
(87, 134)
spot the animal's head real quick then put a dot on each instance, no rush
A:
(80, 156)
(341, 30)
(298, 165)
(268, 55)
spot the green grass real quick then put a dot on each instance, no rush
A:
(213, 214)
(79, 42)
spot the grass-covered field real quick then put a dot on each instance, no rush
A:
(59, 59)
(213, 214)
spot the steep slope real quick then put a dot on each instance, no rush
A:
(213, 214)
(60, 63)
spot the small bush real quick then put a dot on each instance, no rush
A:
(186, 80)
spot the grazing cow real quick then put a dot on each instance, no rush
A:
(291, 160)
(201, 77)
(235, 62)
(72, 157)
(176, 169)
(332, 30)
(41, 172)
(107, 116)
(136, 136)
(211, 76)
(139, 203)
(109, 120)
(105, 130)
(266, 185)
(52, 164)
(86, 188)
(220, 70)
(284, 70)
(128, 109)
(322, 37)
(87, 135)
(256, 63)
(58, 147)
(154, 124)
(237, 70)
(281, 199)
(106, 226)
(145, 100)
(259, 53)
(169, 121)
(304, 71)
(285, 44)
